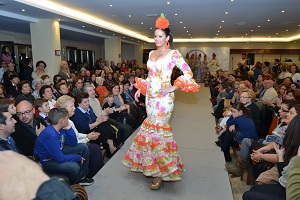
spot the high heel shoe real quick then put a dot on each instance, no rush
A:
(157, 185)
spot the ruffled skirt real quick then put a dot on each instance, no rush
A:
(154, 152)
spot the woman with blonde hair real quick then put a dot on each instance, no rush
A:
(65, 71)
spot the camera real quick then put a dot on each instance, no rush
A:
(276, 137)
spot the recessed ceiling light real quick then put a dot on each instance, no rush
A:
(168, 3)
(295, 42)
(82, 26)
(176, 14)
(251, 30)
(142, 22)
(282, 11)
(286, 30)
(231, 0)
(187, 31)
(217, 34)
(58, 19)
(110, 5)
(100, 31)
(269, 20)
(151, 28)
(129, 15)
(258, 26)
(131, 39)
(23, 10)
(184, 27)
(223, 21)
(123, 36)
(276, 33)
(218, 31)
(180, 22)
(138, 41)
(114, 34)
(271, 42)
(226, 13)
(248, 42)
(246, 34)
(269, 36)
(299, 24)
(220, 26)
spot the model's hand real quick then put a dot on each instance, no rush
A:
(167, 90)
(137, 95)
(20, 177)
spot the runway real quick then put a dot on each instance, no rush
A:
(205, 178)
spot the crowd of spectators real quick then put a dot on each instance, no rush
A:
(70, 122)
(257, 114)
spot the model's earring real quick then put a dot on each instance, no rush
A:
(168, 45)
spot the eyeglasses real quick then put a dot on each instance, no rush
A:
(282, 110)
(24, 113)
(242, 97)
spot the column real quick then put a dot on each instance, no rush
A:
(138, 54)
(45, 40)
(113, 49)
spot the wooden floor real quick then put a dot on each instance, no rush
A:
(205, 178)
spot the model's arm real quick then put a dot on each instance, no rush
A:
(185, 81)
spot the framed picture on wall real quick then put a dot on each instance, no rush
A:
(57, 52)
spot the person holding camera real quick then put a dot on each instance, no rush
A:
(286, 154)
(265, 154)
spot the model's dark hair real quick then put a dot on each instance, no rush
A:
(43, 88)
(168, 33)
(20, 84)
(2, 118)
(292, 139)
(240, 106)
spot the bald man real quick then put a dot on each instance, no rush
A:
(27, 128)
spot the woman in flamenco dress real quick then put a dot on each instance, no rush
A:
(154, 151)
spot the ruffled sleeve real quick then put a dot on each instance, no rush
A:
(185, 82)
(186, 85)
(141, 84)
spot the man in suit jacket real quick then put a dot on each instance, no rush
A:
(27, 128)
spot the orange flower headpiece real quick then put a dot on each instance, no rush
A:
(162, 22)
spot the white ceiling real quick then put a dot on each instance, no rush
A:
(201, 18)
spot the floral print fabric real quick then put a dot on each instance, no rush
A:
(154, 151)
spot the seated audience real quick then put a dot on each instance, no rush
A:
(46, 92)
(25, 89)
(43, 108)
(36, 84)
(59, 152)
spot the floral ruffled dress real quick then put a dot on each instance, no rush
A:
(154, 151)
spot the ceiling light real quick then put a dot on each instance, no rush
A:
(168, 3)
(286, 30)
(151, 28)
(258, 26)
(187, 31)
(142, 22)
(184, 27)
(23, 10)
(231, 0)
(82, 26)
(295, 42)
(123, 36)
(251, 30)
(217, 34)
(269, 36)
(131, 39)
(100, 31)
(246, 34)
(220, 26)
(269, 20)
(218, 31)
(226, 13)
(282, 11)
(276, 33)
(176, 14)
(58, 19)
(114, 34)
(138, 41)
(223, 21)
(110, 5)
(180, 22)
(129, 15)
(191, 37)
